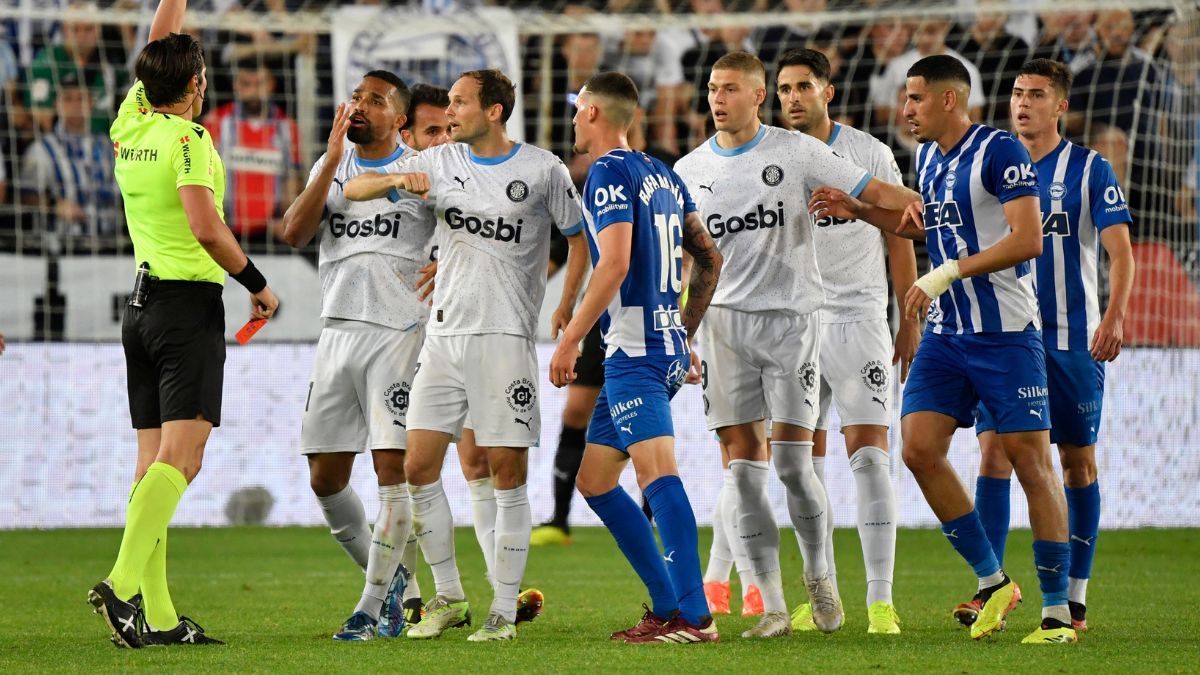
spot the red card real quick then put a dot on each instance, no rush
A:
(252, 326)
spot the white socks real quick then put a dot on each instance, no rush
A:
(514, 522)
(876, 520)
(720, 557)
(807, 503)
(757, 530)
(409, 560)
(483, 515)
(819, 469)
(392, 528)
(728, 515)
(435, 531)
(348, 523)
(1077, 590)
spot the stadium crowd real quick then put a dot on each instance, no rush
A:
(1135, 99)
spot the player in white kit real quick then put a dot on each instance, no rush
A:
(761, 337)
(369, 258)
(496, 201)
(857, 352)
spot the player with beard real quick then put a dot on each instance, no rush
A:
(497, 200)
(369, 260)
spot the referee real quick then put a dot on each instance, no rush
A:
(173, 185)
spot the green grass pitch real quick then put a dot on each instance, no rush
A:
(276, 595)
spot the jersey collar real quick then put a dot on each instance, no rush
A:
(745, 147)
(1052, 156)
(492, 161)
(384, 161)
(837, 129)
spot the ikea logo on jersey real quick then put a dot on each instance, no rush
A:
(760, 218)
(1021, 174)
(486, 228)
(382, 225)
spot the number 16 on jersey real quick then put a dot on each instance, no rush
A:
(669, 231)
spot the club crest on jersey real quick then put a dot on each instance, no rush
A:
(517, 191)
(772, 175)
(951, 180)
(521, 394)
(808, 376)
(874, 375)
(1057, 190)
(676, 375)
(395, 398)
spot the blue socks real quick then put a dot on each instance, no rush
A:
(623, 517)
(1083, 513)
(967, 537)
(992, 504)
(1052, 559)
(677, 527)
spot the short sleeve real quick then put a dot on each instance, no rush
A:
(821, 166)
(1007, 171)
(193, 158)
(689, 205)
(135, 100)
(316, 168)
(884, 167)
(1107, 198)
(563, 200)
(608, 195)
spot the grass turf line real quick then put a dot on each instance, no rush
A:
(277, 594)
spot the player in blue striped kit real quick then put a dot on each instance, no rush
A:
(1082, 202)
(640, 219)
(981, 225)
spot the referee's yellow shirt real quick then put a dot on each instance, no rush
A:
(156, 154)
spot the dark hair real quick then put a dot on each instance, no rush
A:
(1056, 71)
(495, 88)
(167, 65)
(425, 94)
(402, 94)
(812, 59)
(941, 68)
(743, 61)
(613, 85)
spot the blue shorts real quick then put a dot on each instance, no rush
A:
(635, 402)
(1004, 371)
(1076, 384)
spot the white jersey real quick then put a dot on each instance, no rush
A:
(494, 219)
(754, 200)
(852, 253)
(369, 252)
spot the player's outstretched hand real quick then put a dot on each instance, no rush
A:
(425, 283)
(908, 338)
(416, 182)
(263, 304)
(912, 221)
(1106, 344)
(562, 316)
(827, 201)
(337, 136)
(562, 363)
(694, 371)
(916, 303)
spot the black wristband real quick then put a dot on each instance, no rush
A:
(250, 277)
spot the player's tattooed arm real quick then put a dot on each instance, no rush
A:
(706, 270)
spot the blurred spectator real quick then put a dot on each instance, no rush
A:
(928, 40)
(69, 172)
(1113, 145)
(260, 146)
(999, 55)
(3, 179)
(1118, 85)
(580, 58)
(881, 42)
(773, 41)
(635, 55)
(10, 69)
(1064, 37)
(275, 50)
(79, 54)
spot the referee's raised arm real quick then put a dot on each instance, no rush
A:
(168, 18)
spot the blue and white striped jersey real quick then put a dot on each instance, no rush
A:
(1080, 197)
(964, 192)
(625, 186)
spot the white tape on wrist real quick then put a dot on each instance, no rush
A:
(939, 279)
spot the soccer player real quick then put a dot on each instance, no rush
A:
(173, 330)
(751, 181)
(856, 347)
(369, 261)
(497, 200)
(1080, 199)
(981, 225)
(640, 220)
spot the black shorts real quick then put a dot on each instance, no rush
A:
(589, 369)
(175, 354)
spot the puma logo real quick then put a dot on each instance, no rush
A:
(809, 404)
(952, 534)
(669, 557)
(340, 183)
(521, 421)
(1053, 570)
(462, 182)
(881, 403)
(1085, 542)
(399, 424)
(1036, 413)
(628, 428)
(708, 187)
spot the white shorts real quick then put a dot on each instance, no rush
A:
(856, 372)
(760, 365)
(494, 375)
(360, 387)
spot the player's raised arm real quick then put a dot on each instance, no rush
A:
(706, 270)
(303, 217)
(168, 18)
